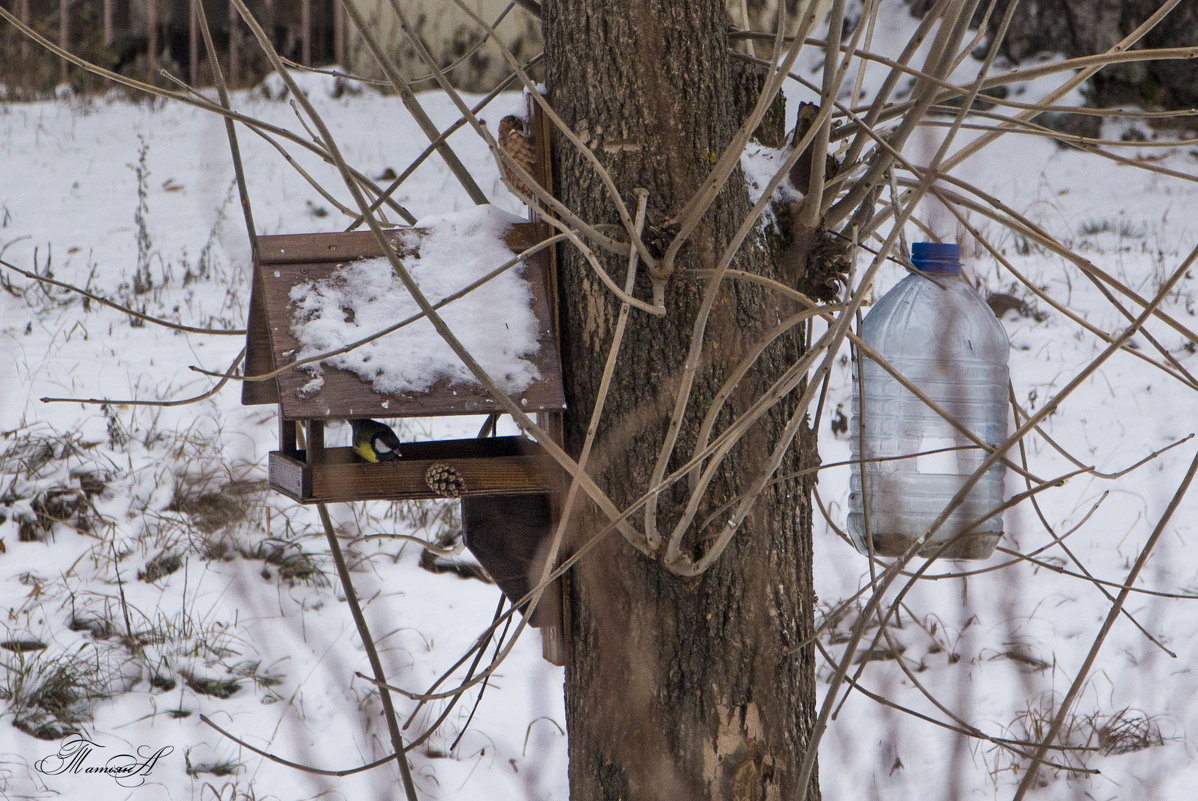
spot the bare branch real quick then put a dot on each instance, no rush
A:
(112, 304)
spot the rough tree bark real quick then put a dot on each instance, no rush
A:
(686, 689)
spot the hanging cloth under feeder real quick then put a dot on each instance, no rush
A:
(908, 461)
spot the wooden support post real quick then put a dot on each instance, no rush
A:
(23, 13)
(287, 434)
(235, 44)
(316, 453)
(152, 36)
(306, 32)
(193, 42)
(108, 12)
(339, 33)
(64, 36)
(553, 615)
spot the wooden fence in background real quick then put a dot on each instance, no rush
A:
(310, 32)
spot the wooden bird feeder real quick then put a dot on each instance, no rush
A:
(506, 484)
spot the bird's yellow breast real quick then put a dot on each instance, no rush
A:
(363, 449)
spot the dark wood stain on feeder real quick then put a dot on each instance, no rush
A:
(509, 536)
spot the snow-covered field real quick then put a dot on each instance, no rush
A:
(242, 593)
(146, 569)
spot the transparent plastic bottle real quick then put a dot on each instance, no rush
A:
(935, 330)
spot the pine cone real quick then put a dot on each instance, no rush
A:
(827, 268)
(444, 480)
(517, 147)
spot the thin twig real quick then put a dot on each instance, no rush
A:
(408, 98)
(161, 403)
(134, 313)
(222, 92)
(962, 728)
(609, 184)
(1091, 66)
(431, 148)
(189, 98)
(297, 765)
(372, 655)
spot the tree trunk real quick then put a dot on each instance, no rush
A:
(699, 688)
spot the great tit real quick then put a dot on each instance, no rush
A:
(374, 441)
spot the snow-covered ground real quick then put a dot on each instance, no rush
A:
(183, 487)
(162, 570)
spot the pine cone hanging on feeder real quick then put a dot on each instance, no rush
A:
(518, 148)
(442, 479)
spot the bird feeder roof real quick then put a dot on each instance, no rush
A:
(313, 293)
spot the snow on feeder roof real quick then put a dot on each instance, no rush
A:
(321, 292)
(314, 293)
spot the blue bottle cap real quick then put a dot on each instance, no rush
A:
(936, 257)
